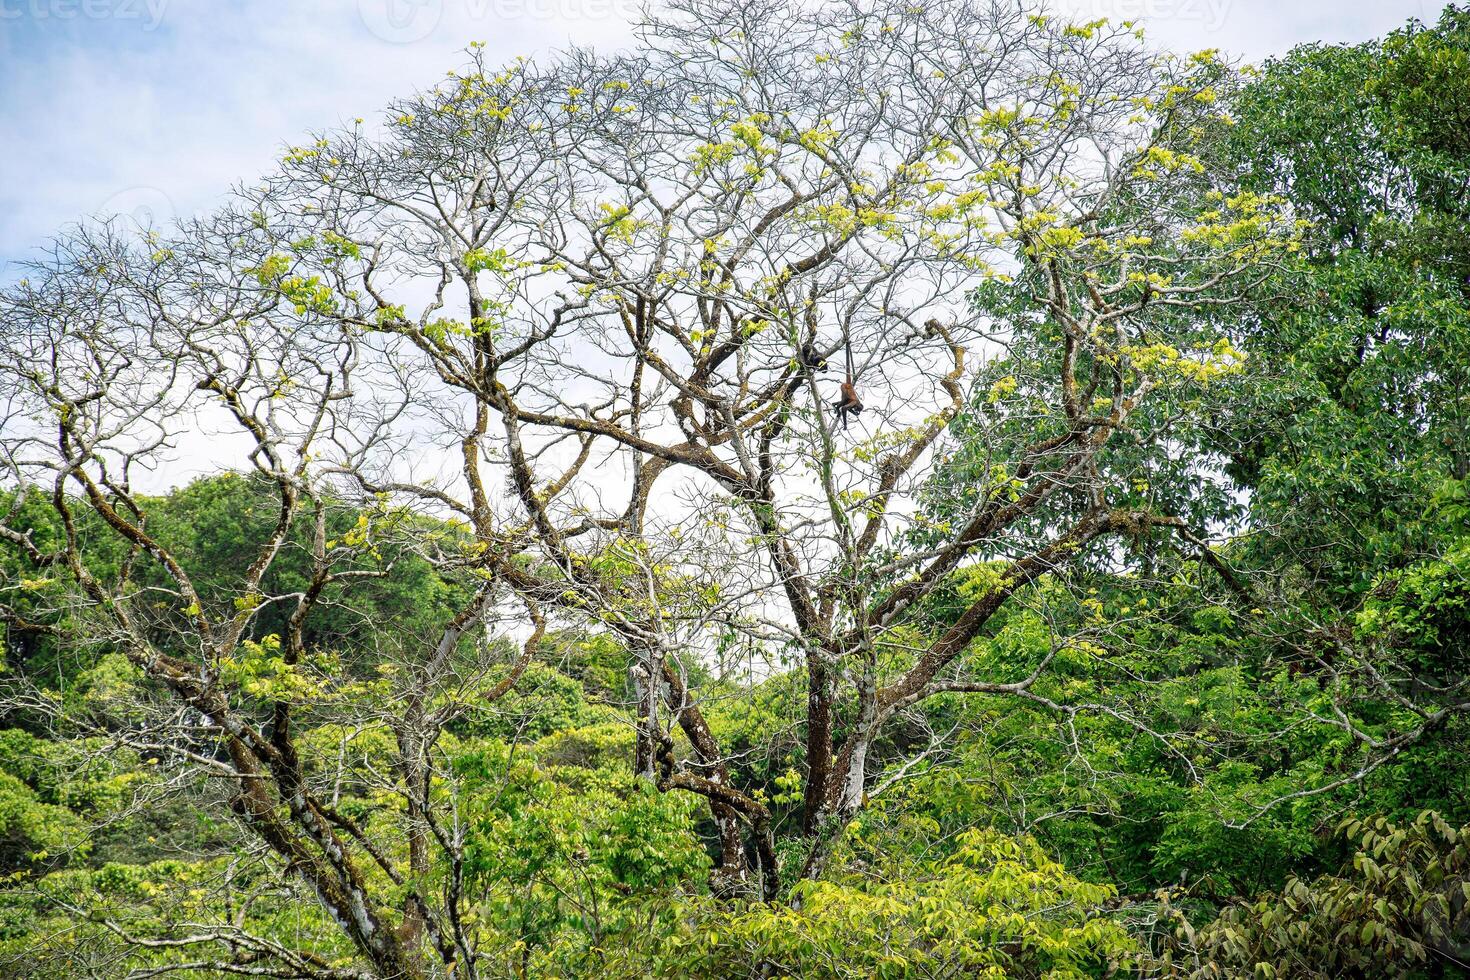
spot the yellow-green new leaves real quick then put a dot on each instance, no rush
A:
(994, 907)
(1166, 363)
(260, 670)
(307, 294)
(620, 222)
(1244, 224)
(492, 260)
(1158, 161)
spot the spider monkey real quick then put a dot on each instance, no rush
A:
(811, 358)
(849, 403)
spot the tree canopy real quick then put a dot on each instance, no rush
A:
(545, 612)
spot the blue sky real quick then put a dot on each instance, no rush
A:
(158, 106)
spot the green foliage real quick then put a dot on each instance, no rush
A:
(1399, 908)
(993, 906)
(30, 830)
(78, 921)
(589, 746)
(1425, 609)
(1173, 745)
(1335, 453)
(568, 865)
(1354, 412)
(544, 702)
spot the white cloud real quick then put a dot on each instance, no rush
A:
(100, 112)
(163, 104)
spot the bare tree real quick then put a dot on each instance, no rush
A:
(596, 317)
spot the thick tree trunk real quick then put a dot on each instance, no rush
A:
(645, 696)
(841, 799)
(818, 742)
(734, 874)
